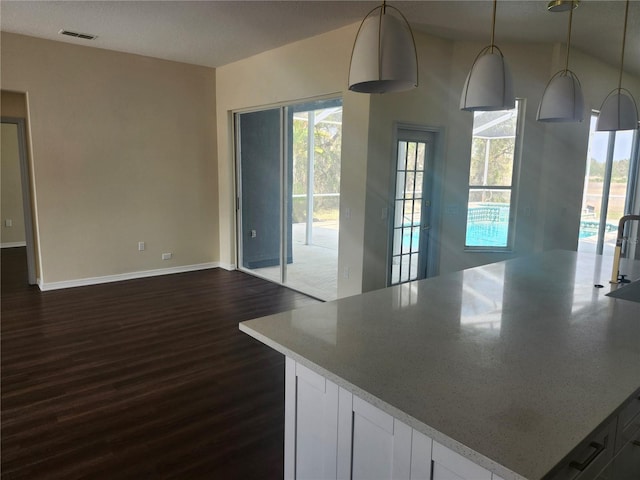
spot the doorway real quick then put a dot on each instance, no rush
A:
(412, 231)
(288, 175)
(17, 223)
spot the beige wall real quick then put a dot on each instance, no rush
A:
(314, 67)
(11, 205)
(552, 155)
(123, 150)
(12, 104)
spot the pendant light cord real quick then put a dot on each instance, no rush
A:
(493, 25)
(383, 11)
(566, 65)
(624, 39)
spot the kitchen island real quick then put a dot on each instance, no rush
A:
(509, 367)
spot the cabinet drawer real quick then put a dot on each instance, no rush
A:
(628, 421)
(626, 464)
(590, 457)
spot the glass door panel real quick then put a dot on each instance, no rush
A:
(260, 158)
(409, 241)
(289, 195)
(607, 194)
(314, 143)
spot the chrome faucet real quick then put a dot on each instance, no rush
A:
(615, 274)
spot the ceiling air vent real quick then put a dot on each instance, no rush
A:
(86, 36)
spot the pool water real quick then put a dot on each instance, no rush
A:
(489, 234)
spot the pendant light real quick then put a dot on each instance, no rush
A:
(384, 57)
(562, 99)
(488, 86)
(619, 110)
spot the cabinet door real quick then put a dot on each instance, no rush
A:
(311, 424)
(449, 465)
(381, 444)
(374, 445)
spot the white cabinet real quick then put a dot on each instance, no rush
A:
(311, 424)
(449, 465)
(381, 444)
(333, 434)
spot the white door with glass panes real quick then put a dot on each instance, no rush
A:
(411, 228)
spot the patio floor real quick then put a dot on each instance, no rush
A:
(314, 270)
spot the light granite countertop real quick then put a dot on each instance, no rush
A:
(510, 364)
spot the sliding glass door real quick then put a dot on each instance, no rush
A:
(288, 162)
(610, 188)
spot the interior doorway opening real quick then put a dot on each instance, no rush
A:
(17, 228)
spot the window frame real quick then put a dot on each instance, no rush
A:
(513, 197)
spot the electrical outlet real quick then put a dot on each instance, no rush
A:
(346, 271)
(167, 256)
(254, 234)
(140, 246)
(8, 222)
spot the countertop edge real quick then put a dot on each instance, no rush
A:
(423, 428)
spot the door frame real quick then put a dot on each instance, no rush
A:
(434, 174)
(27, 204)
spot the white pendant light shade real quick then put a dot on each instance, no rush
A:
(384, 55)
(488, 86)
(619, 112)
(562, 100)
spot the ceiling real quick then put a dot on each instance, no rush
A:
(215, 33)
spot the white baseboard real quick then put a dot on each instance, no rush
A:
(13, 244)
(82, 282)
(228, 266)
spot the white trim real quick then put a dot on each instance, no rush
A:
(228, 266)
(13, 244)
(124, 276)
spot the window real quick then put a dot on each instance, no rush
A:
(491, 178)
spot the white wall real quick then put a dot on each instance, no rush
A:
(123, 150)
(553, 156)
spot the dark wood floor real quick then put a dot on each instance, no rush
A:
(140, 379)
